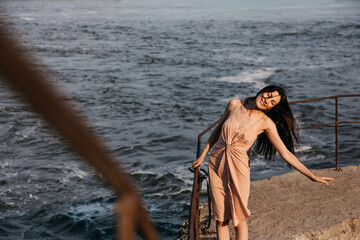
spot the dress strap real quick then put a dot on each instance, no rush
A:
(258, 120)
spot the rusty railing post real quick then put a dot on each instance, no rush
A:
(337, 132)
(337, 123)
(194, 218)
(194, 221)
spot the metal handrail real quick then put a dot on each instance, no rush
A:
(20, 72)
(194, 219)
(336, 123)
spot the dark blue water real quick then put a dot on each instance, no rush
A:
(150, 76)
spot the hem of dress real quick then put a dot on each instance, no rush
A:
(239, 221)
(220, 220)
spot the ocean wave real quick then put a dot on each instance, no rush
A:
(303, 147)
(27, 132)
(255, 78)
(89, 210)
(74, 172)
(151, 81)
(27, 18)
(71, 227)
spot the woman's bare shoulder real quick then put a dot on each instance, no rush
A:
(233, 103)
(268, 123)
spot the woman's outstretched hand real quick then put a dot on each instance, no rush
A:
(324, 180)
(197, 162)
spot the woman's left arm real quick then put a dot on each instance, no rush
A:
(290, 158)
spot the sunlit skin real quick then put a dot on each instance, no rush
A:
(250, 113)
(267, 100)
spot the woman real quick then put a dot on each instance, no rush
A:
(266, 117)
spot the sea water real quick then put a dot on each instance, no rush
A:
(149, 76)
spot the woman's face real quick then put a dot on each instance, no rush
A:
(267, 100)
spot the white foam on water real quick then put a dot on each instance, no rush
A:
(256, 162)
(33, 197)
(303, 147)
(4, 164)
(27, 18)
(89, 210)
(27, 132)
(146, 172)
(180, 191)
(255, 78)
(319, 66)
(183, 173)
(74, 172)
(258, 59)
(311, 158)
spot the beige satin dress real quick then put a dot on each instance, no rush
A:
(229, 171)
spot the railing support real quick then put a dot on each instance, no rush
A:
(194, 218)
(336, 123)
(337, 132)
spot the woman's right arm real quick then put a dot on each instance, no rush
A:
(216, 133)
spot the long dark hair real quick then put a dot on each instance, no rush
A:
(286, 124)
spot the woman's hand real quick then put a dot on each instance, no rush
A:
(324, 180)
(197, 162)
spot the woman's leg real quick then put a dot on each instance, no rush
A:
(241, 231)
(222, 229)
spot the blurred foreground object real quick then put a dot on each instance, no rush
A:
(20, 72)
